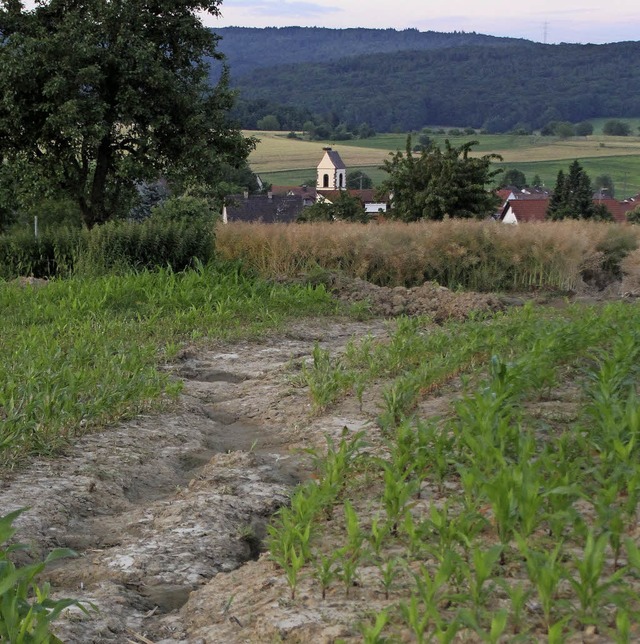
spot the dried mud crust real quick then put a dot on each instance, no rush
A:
(159, 506)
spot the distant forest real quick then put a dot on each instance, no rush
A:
(404, 80)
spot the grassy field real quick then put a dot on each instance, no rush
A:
(284, 161)
(84, 352)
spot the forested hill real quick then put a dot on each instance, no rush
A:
(248, 48)
(498, 84)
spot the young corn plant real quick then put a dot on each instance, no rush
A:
(588, 584)
(26, 608)
(326, 379)
(397, 493)
(389, 571)
(545, 571)
(372, 633)
(477, 574)
(325, 571)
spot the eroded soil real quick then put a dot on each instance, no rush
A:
(159, 507)
(167, 512)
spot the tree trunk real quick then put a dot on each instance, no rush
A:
(94, 211)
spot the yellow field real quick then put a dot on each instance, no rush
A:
(275, 152)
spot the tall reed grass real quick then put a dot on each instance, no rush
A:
(483, 256)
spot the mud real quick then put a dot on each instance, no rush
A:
(158, 507)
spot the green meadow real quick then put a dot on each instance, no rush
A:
(283, 161)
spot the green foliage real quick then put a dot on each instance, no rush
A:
(514, 177)
(633, 216)
(344, 208)
(358, 180)
(604, 185)
(561, 129)
(180, 233)
(615, 246)
(572, 196)
(437, 78)
(26, 610)
(614, 127)
(584, 128)
(103, 95)
(268, 122)
(440, 184)
(83, 352)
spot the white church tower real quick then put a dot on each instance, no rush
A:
(332, 173)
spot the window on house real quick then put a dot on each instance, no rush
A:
(325, 181)
(340, 180)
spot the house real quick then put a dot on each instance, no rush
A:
(262, 208)
(308, 195)
(530, 209)
(516, 211)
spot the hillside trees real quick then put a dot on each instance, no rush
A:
(440, 183)
(101, 95)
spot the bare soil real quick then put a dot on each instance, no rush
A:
(168, 512)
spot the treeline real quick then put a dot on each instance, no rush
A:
(522, 85)
(248, 49)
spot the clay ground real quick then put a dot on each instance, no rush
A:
(161, 509)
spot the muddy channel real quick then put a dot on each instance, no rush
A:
(164, 506)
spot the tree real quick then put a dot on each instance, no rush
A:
(633, 216)
(344, 208)
(440, 183)
(614, 127)
(268, 122)
(572, 196)
(100, 95)
(536, 182)
(584, 128)
(358, 180)
(604, 185)
(514, 177)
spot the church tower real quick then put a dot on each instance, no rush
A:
(332, 173)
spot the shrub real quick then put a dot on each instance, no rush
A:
(167, 239)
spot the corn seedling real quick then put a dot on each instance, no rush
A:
(389, 570)
(26, 609)
(372, 633)
(477, 573)
(326, 379)
(378, 534)
(591, 590)
(396, 495)
(325, 571)
(545, 571)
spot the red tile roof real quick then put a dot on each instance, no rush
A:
(527, 210)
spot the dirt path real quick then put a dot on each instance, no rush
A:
(158, 507)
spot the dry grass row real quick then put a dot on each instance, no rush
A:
(483, 256)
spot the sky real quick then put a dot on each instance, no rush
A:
(551, 21)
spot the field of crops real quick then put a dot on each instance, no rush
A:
(513, 515)
(83, 352)
(284, 161)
